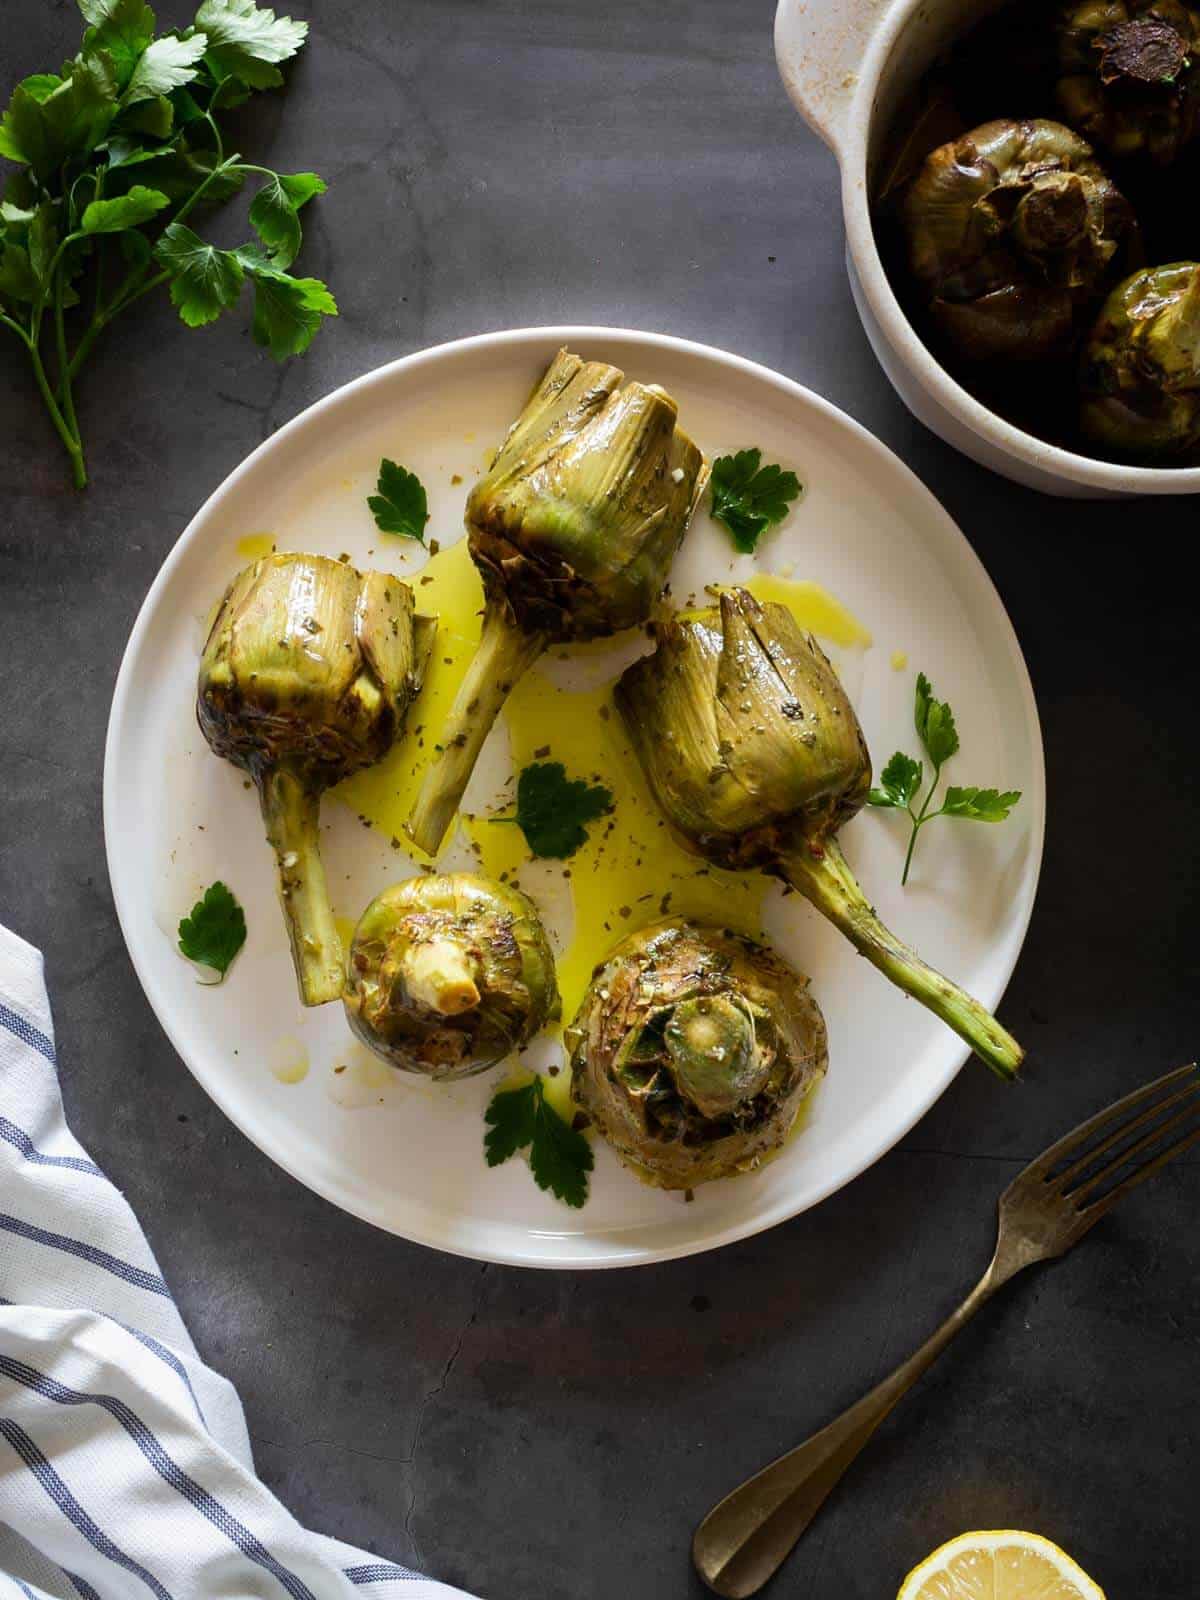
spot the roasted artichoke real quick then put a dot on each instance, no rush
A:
(1140, 373)
(755, 755)
(448, 975)
(692, 1052)
(1128, 74)
(306, 676)
(1011, 231)
(573, 530)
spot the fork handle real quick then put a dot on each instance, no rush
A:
(745, 1539)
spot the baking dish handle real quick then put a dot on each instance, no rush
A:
(819, 45)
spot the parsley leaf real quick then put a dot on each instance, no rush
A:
(552, 809)
(274, 215)
(935, 723)
(215, 931)
(17, 281)
(246, 42)
(123, 28)
(205, 281)
(288, 311)
(168, 63)
(401, 505)
(900, 780)
(560, 1158)
(980, 805)
(748, 497)
(130, 210)
(49, 120)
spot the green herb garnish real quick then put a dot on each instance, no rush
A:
(215, 930)
(900, 781)
(126, 139)
(560, 1158)
(400, 505)
(553, 810)
(748, 497)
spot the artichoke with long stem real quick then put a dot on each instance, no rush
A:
(1128, 74)
(754, 752)
(306, 676)
(573, 530)
(450, 974)
(1011, 233)
(692, 1051)
(1140, 371)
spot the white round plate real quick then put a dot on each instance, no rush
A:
(405, 1154)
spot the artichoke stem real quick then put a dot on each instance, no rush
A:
(292, 815)
(822, 875)
(504, 653)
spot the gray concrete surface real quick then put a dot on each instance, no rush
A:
(502, 162)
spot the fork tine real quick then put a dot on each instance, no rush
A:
(1124, 1157)
(1040, 1166)
(1106, 1201)
(1189, 1091)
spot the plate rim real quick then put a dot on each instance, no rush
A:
(615, 1252)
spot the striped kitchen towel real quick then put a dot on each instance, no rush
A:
(125, 1468)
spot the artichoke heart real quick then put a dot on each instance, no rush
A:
(692, 1051)
(306, 676)
(1128, 74)
(1012, 231)
(573, 530)
(755, 755)
(449, 974)
(1140, 371)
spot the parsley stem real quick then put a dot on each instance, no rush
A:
(7, 322)
(73, 447)
(919, 821)
(67, 397)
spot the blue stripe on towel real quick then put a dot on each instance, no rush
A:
(26, 1032)
(169, 1470)
(21, 1141)
(167, 1355)
(381, 1572)
(86, 1252)
(70, 1507)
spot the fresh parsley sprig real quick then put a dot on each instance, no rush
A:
(748, 497)
(125, 139)
(560, 1158)
(900, 781)
(215, 929)
(553, 810)
(400, 504)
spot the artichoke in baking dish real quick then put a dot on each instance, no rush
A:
(306, 676)
(754, 753)
(450, 974)
(1140, 372)
(1128, 74)
(573, 529)
(692, 1052)
(1011, 233)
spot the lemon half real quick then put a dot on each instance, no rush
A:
(1006, 1565)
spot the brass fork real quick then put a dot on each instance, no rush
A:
(1046, 1209)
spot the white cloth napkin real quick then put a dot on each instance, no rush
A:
(125, 1468)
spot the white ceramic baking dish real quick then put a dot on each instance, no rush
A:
(847, 64)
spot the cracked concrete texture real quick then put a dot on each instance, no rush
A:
(531, 1435)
